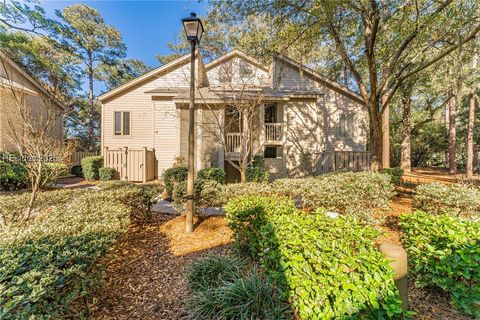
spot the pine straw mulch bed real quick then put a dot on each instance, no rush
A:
(145, 271)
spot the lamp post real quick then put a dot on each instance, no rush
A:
(193, 30)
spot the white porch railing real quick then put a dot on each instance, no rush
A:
(233, 141)
(273, 132)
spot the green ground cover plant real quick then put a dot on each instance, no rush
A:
(326, 267)
(457, 199)
(444, 251)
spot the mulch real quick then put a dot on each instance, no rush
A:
(145, 279)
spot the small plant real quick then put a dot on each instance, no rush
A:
(173, 175)
(257, 174)
(52, 171)
(221, 291)
(90, 167)
(106, 173)
(444, 251)
(76, 170)
(395, 174)
(216, 174)
(212, 271)
(13, 175)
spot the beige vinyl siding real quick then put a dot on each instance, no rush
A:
(287, 77)
(257, 77)
(28, 93)
(150, 127)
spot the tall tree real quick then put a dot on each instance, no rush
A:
(470, 124)
(94, 42)
(382, 43)
(121, 71)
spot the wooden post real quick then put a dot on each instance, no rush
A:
(399, 263)
(144, 169)
(125, 163)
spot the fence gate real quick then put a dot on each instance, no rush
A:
(136, 165)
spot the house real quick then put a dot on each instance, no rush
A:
(304, 122)
(20, 91)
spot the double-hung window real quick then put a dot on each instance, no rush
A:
(346, 125)
(122, 123)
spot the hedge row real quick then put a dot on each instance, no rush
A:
(327, 268)
(444, 251)
(457, 199)
(364, 195)
(49, 266)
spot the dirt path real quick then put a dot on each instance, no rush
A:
(146, 269)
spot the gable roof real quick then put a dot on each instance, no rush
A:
(150, 74)
(234, 53)
(319, 77)
(25, 74)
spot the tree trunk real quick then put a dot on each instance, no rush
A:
(243, 174)
(452, 136)
(471, 119)
(91, 105)
(406, 152)
(375, 137)
(385, 134)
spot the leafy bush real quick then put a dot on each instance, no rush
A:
(106, 173)
(395, 174)
(222, 291)
(76, 170)
(365, 195)
(172, 175)
(216, 174)
(50, 265)
(208, 193)
(54, 170)
(456, 199)
(233, 190)
(13, 176)
(328, 268)
(257, 174)
(90, 167)
(114, 185)
(212, 271)
(444, 251)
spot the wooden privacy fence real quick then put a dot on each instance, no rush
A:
(77, 156)
(137, 165)
(332, 161)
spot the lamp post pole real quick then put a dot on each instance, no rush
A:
(191, 144)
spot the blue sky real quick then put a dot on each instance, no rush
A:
(146, 26)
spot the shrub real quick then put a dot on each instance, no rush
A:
(444, 251)
(227, 294)
(172, 175)
(395, 174)
(50, 265)
(216, 174)
(13, 176)
(53, 170)
(106, 173)
(76, 170)
(365, 195)
(212, 271)
(457, 199)
(208, 193)
(327, 268)
(257, 174)
(90, 167)
(233, 190)
(114, 185)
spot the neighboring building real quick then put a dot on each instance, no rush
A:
(302, 116)
(17, 88)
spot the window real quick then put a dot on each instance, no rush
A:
(122, 123)
(346, 125)
(245, 69)
(225, 73)
(272, 152)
